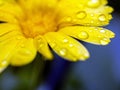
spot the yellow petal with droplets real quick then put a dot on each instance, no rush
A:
(24, 52)
(8, 41)
(82, 12)
(42, 47)
(95, 35)
(66, 46)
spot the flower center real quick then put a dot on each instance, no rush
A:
(38, 24)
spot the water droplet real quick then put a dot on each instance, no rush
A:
(81, 15)
(93, 3)
(52, 45)
(68, 19)
(41, 45)
(102, 17)
(62, 52)
(65, 40)
(104, 41)
(71, 45)
(102, 31)
(4, 63)
(83, 35)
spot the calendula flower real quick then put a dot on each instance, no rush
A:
(28, 26)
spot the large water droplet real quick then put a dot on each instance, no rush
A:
(102, 18)
(93, 3)
(81, 15)
(62, 52)
(83, 35)
(104, 41)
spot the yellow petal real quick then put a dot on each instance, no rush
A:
(11, 7)
(95, 35)
(24, 52)
(8, 42)
(84, 12)
(42, 47)
(66, 46)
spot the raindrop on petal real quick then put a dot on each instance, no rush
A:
(62, 52)
(81, 15)
(68, 19)
(4, 63)
(102, 18)
(93, 3)
(65, 40)
(83, 35)
(71, 45)
(102, 31)
(104, 41)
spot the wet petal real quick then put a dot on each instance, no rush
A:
(42, 47)
(84, 12)
(8, 41)
(95, 35)
(66, 46)
(24, 52)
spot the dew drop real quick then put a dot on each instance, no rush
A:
(102, 31)
(52, 44)
(4, 63)
(83, 35)
(68, 19)
(18, 38)
(81, 15)
(71, 45)
(93, 3)
(62, 52)
(104, 41)
(65, 40)
(102, 18)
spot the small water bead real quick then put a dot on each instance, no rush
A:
(63, 52)
(4, 63)
(81, 15)
(53, 44)
(102, 18)
(93, 3)
(83, 35)
(104, 41)
(68, 19)
(65, 40)
(71, 45)
(102, 31)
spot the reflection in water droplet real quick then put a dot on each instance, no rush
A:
(102, 31)
(93, 3)
(71, 45)
(83, 35)
(102, 18)
(65, 40)
(62, 52)
(81, 15)
(104, 41)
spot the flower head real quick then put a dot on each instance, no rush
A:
(28, 26)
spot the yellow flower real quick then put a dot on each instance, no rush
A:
(28, 26)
